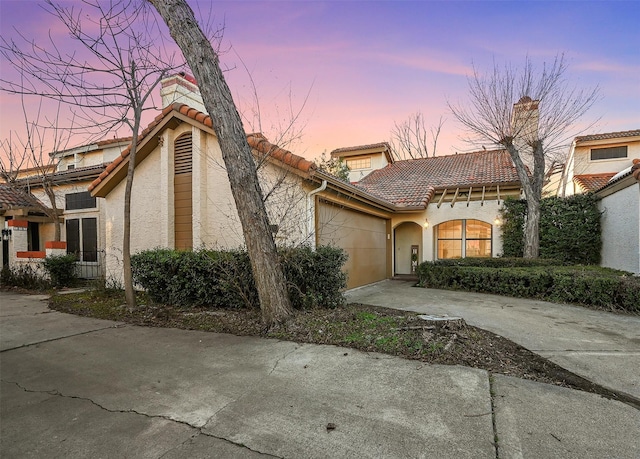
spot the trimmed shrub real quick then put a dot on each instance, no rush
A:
(315, 277)
(61, 269)
(586, 285)
(569, 229)
(223, 278)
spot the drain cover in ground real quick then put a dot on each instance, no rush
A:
(433, 318)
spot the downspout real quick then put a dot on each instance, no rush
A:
(311, 214)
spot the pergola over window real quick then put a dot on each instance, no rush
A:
(463, 238)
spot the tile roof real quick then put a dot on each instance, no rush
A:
(592, 182)
(256, 141)
(413, 182)
(12, 198)
(380, 145)
(633, 171)
(608, 135)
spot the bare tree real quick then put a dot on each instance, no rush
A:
(531, 113)
(239, 162)
(411, 140)
(107, 79)
(26, 163)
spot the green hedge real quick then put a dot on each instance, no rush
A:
(223, 278)
(586, 285)
(569, 229)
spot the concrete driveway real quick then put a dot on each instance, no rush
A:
(77, 387)
(600, 346)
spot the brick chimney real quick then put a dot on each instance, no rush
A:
(181, 88)
(524, 127)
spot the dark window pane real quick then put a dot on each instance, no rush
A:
(83, 200)
(73, 236)
(33, 236)
(608, 153)
(89, 239)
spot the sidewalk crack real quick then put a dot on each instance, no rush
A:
(492, 396)
(198, 430)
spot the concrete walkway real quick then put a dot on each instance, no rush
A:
(77, 387)
(600, 346)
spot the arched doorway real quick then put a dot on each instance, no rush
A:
(408, 247)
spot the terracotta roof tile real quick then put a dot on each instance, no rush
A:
(11, 198)
(256, 141)
(414, 182)
(361, 147)
(608, 135)
(592, 182)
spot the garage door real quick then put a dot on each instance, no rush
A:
(362, 236)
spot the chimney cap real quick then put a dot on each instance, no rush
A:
(188, 77)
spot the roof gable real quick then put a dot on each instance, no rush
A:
(170, 117)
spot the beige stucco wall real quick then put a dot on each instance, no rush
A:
(621, 229)
(215, 220)
(487, 212)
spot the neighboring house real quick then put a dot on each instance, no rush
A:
(364, 159)
(607, 164)
(69, 175)
(593, 160)
(619, 202)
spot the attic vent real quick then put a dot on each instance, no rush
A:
(183, 159)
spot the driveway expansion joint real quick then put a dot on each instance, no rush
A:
(63, 337)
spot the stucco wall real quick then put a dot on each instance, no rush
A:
(621, 229)
(434, 215)
(145, 215)
(47, 230)
(215, 220)
(584, 164)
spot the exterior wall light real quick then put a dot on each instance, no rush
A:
(426, 223)
(497, 221)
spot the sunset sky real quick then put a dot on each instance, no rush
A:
(363, 65)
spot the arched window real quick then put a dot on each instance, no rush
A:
(463, 238)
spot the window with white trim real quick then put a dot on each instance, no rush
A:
(463, 238)
(359, 163)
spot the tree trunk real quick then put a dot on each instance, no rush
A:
(532, 191)
(238, 159)
(129, 293)
(532, 228)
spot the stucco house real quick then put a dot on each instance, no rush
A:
(402, 213)
(395, 215)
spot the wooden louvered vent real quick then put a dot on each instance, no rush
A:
(182, 188)
(182, 153)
